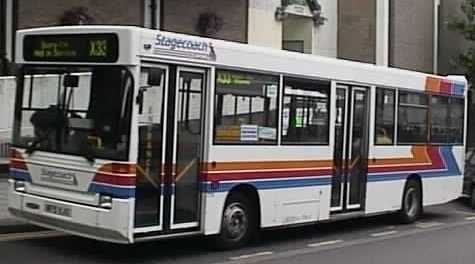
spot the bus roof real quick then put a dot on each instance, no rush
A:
(136, 44)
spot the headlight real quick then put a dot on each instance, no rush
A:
(19, 186)
(105, 201)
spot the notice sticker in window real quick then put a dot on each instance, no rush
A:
(249, 133)
(268, 133)
(271, 91)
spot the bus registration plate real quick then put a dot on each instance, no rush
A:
(58, 210)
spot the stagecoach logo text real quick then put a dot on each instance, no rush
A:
(184, 48)
(67, 178)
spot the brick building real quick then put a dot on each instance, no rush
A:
(397, 33)
(215, 18)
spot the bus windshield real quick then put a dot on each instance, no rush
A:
(74, 110)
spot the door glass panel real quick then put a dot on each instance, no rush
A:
(188, 147)
(359, 146)
(338, 156)
(150, 151)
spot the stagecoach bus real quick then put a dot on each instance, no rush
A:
(125, 134)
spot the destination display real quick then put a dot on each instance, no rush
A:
(102, 47)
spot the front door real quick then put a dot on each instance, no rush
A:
(169, 148)
(351, 148)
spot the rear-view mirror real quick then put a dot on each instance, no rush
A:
(155, 77)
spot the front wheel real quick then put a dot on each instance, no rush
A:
(411, 202)
(238, 224)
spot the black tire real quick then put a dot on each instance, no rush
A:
(238, 223)
(472, 198)
(411, 202)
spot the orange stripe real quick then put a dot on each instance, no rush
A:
(256, 165)
(118, 168)
(419, 155)
(433, 84)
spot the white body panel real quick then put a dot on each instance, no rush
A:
(279, 206)
(88, 221)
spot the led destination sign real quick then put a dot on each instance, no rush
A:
(71, 48)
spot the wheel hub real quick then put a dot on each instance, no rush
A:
(412, 202)
(235, 221)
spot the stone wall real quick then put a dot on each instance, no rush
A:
(412, 34)
(183, 16)
(357, 30)
(33, 13)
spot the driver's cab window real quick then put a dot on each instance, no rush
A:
(83, 111)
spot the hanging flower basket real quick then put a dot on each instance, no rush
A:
(76, 16)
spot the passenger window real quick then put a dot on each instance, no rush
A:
(384, 129)
(412, 118)
(456, 120)
(439, 125)
(245, 108)
(447, 116)
(305, 113)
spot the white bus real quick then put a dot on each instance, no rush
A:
(126, 134)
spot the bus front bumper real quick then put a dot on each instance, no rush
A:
(110, 225)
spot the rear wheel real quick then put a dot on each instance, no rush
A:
(238, 224)
(411, 202)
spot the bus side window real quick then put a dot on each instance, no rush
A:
(246, 108)
(385, 106)
(413, 113)
(305, 113)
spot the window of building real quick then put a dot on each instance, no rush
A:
(447, 116)
(305, 113)
(412, 118)
(385, 110)
(245, 108)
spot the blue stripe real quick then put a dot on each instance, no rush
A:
(447, 157)
(269, 184)
(20, 175)
(458, 88)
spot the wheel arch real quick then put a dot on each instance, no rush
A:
(252, 193)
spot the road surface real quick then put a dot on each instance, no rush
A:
(445, 234)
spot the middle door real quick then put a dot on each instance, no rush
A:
(351, 148)
(170, 147)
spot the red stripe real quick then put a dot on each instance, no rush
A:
(263, 175)
(116, 180)
(403, 168)
(433, 153)
(445, 87)
(21, 165)
(436, 157)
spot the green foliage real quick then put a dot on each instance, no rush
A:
(466, 26)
